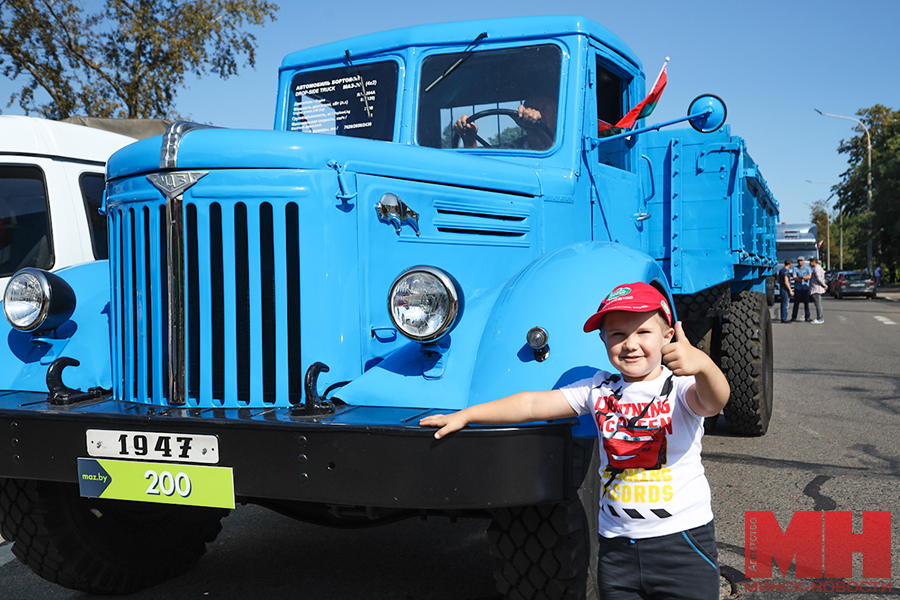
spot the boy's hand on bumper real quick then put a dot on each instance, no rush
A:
(445, 423)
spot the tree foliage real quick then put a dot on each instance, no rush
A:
(128, 59)
(852, 198)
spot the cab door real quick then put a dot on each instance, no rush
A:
(618, 205)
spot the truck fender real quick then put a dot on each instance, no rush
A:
(558, 292)
(486, 355)
(26, 357)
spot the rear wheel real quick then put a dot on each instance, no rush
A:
(101, 546)
(746, 360)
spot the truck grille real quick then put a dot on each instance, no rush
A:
(241, 311)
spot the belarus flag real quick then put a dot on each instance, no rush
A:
(645, 107)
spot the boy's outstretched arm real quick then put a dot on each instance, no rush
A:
(518, 408)
(711, 391)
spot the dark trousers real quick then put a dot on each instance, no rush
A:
(682, 565)
(785, 302)
(801, 296)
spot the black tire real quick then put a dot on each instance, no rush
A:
(101, 546)
(770, 290)
(746, 360)
(711, 302)
(550, 550)
(701, 333)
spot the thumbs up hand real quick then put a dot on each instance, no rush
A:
(681, 357)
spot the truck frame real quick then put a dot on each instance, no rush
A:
(282, 307)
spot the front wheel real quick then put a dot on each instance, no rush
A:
(101, 546)
(550, 550)
(746, 352)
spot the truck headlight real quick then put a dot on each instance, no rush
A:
(424, 303)
(37, 300)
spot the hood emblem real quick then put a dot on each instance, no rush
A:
(174, 184)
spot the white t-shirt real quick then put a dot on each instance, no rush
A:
(652, 481)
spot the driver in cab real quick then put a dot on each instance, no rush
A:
(537, 116)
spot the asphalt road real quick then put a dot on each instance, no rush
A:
(833, 445)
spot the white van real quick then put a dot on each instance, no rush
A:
(51, 186)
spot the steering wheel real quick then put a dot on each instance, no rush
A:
(454, 141)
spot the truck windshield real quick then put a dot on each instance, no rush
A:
(332, 101)
(490, 86)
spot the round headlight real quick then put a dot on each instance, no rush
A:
(35, 299)
(424, 303)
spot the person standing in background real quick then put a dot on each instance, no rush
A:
(817, 288)
(784, 280)
(801, 275)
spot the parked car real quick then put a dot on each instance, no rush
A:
(854, 283)
(51, 188)
(830, 277)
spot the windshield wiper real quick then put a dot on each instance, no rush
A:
(465, 54)
(362, 81)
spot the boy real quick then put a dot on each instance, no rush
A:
(655, 515)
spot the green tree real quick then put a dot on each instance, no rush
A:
(128, 59)
(884, 128)
(820, 215)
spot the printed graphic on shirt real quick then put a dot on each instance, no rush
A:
(634, 440)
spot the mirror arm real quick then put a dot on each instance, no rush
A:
(594, 142)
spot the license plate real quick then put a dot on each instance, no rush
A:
(160, 483)
(147, 445)
(857, 284)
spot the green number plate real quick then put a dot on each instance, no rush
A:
(164, 483)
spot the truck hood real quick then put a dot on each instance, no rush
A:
(207, 149)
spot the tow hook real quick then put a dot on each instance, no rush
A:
(314, 404)
(60, 394)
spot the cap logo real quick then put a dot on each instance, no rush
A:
(665, 307)
(618, 292)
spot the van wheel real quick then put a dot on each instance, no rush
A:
(101, 546)
(550, 550)
(746, 352)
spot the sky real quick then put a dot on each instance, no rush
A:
(772, 62)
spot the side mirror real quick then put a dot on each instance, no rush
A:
(707, 113)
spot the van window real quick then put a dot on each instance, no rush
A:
(92, 192)
(25, 239)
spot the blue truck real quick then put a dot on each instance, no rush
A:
(280, 308)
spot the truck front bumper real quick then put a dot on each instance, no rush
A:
(358, 456)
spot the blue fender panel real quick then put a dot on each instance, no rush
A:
(85, 337)
(558, 292)
(486, 356)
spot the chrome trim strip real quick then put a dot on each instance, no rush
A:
(177, 382)
(175, 132)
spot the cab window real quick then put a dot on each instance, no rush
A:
(486, 90)
(611, 98)
(25, 239)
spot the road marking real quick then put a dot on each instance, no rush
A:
(842, 318)
(6, 554)
(885, 320)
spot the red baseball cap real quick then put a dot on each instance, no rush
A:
(630, 297)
